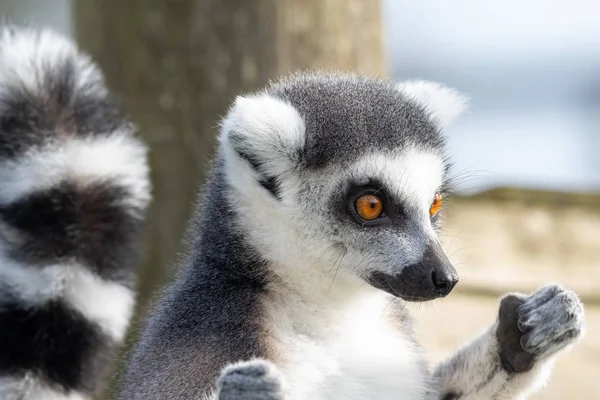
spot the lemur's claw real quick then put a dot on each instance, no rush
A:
(535, 326)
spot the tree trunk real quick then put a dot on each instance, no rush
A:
(177, 65)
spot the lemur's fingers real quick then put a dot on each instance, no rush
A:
(535, 326)
(552, 318)
(250, 380)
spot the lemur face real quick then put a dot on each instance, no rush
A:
(348, 171)
(387, 208)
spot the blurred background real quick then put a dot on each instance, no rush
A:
(527, 154)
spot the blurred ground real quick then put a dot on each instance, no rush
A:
(519, 240)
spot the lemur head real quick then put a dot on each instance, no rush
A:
(343, 169)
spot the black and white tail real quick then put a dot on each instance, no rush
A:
(73, 193)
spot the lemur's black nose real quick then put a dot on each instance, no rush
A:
(443, 275)
(430, 278)
(443, 283)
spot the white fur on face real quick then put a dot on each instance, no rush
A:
(443, 103)
(274, 132)
(413, 176)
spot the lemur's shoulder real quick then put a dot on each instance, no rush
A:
(210, 315)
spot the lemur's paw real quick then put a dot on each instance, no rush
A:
(250, 380)
(550, 319)
(535, 326)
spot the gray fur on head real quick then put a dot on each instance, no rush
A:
(343, 117)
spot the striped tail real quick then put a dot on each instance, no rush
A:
(73, 193)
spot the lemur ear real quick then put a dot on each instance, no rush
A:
(444, 103)
(267, 132)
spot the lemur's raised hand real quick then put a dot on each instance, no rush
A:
(73, 192)
(513, 358)
(322, 210)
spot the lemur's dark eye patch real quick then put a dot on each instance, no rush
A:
(369, 207)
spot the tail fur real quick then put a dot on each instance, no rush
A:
(73, 193)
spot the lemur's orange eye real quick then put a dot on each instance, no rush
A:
(436, 206)
(369, 207)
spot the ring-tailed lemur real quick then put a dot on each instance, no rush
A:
(322, 209)
(73, 192)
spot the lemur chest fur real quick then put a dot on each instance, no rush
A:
(349, 351)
